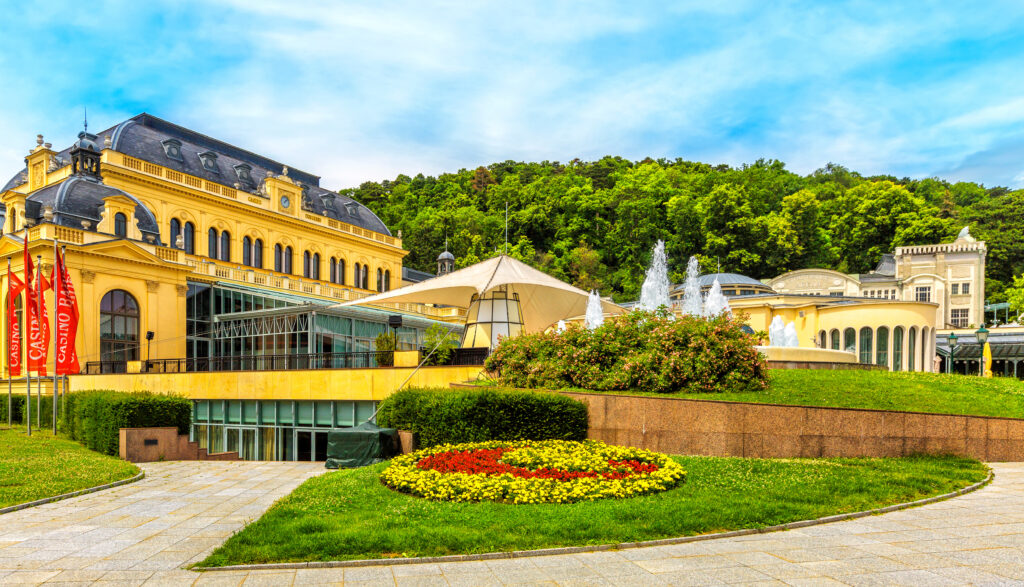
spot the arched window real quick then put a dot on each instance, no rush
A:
(822, 339)
(380, 279)
(366, 277)
(834, 339)
(120, 225)
(278, 259)
(387, 280)
(341, 271)
(357, 276)
(865, 345)
(225, 246)
(850, 340)
(897, 348)
(911, 347)
(287, 260)
(257, 254)
(925, 337)
(175, 232)
(247, 251)
(119, 327)
(333, 270)
(190, 238)
(882, 346)
(314, 268)
(305, 263)
(211, 243)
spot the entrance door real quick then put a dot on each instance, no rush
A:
(303, 445)
(321, 446)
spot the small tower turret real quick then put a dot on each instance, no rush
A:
(445, 261)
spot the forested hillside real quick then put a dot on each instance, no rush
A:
(594, 223)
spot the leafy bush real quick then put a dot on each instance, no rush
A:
(639, 351)
(94, 417)
(18, 409)
(385, 345)
(437, 336)
(452, 416)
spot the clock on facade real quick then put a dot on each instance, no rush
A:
(285, 201)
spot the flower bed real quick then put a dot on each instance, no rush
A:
(549, 471)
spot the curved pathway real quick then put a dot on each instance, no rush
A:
(144, 533)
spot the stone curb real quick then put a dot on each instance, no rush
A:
(22, 506)
(600, 547)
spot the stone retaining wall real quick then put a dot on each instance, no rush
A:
(145, 445)
(708, 427)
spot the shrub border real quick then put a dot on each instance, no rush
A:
(373, 562)
(46, 500)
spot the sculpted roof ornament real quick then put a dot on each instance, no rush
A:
(965, 235)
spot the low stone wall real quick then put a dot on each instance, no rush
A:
(825, 365)
(717, 428)
(146, 445)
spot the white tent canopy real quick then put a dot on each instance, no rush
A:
(543, 299)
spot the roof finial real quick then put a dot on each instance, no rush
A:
(85, 118)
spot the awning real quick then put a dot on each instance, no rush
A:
(543, 300)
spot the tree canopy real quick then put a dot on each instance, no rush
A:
(593, 223)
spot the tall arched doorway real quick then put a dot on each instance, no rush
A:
(119, 327)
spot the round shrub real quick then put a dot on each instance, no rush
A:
(451, 416)
(551, 471)
(639, 351)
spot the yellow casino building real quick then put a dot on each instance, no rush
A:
(191, 254)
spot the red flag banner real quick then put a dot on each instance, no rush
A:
(14, 288)
(43, 344)
(35, 335)
(66, 315)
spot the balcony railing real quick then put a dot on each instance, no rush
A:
(353, 360)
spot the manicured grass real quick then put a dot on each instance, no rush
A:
(42, 466)
(882, 390)
(877, 390)
(351, 515)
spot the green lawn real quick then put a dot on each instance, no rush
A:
(42, 466)
(351, 515)
(878, 390)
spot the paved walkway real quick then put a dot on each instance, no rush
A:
(144, 533)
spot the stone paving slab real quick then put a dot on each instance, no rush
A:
(144, 533)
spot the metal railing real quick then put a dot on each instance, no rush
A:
(351, 360)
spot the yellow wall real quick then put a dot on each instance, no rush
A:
(326, 384)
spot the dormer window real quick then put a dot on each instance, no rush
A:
(172, 148)
(352, 208)
(244, 173)
(209, 159)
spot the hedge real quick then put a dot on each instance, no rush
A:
(440, 416)
(18, 405)
(95, 417)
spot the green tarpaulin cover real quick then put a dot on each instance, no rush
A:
(360, 445)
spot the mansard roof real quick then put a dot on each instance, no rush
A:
(147, 137)
(77, 198)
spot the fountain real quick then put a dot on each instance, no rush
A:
(595, 313)
(716, 303)
(776, 332)
(692, 303)
(789, 338)
(561, 326)
(654, 291)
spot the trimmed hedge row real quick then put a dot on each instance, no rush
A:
(440, 416)
(94, 417)
(18, 409)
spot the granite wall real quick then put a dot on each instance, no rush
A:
(708, 427)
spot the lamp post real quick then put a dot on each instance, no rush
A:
(982, 334)
(952, 351)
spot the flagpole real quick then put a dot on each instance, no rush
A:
(54, 329)
(39, 321)
(7, 335)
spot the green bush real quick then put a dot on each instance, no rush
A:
(440, 416)
(437, 339)
(638, 351)
(18, 409)
(94, 417)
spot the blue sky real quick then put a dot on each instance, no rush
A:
(364, 91)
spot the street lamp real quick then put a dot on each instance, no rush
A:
(952, 351)
(982, 334)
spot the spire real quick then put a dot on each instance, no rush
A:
(85, 119)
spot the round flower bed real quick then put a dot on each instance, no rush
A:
(546, 471)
